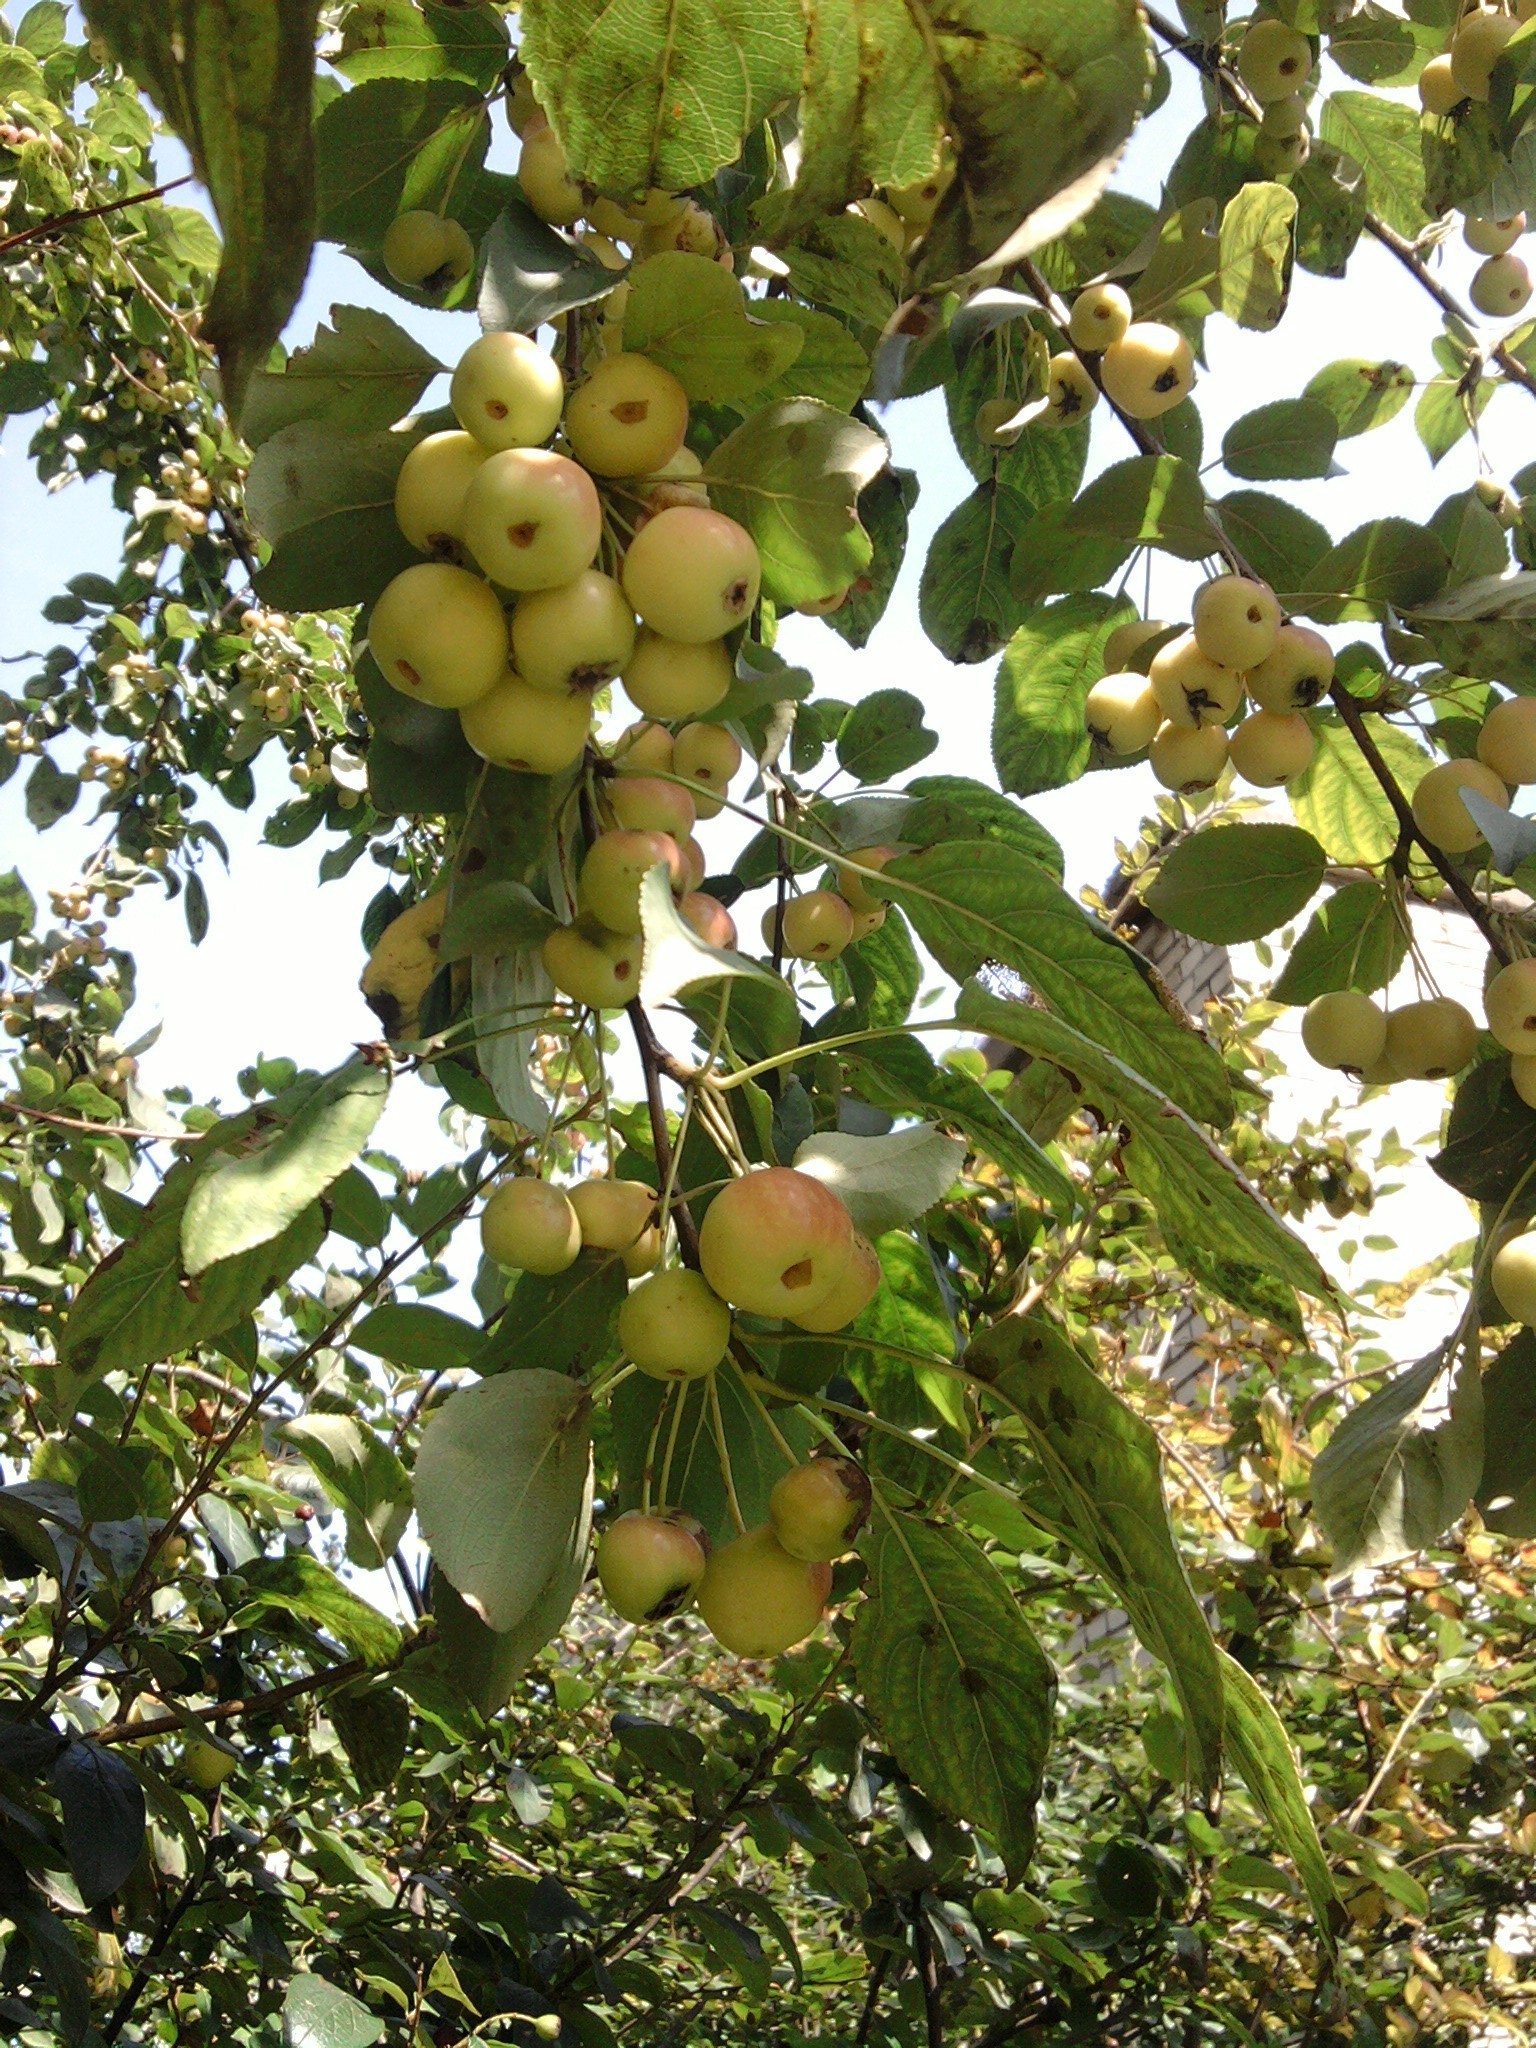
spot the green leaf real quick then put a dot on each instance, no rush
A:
(17, 908)
(1355, 940)
(234, 78)
(564, 1322)
(695, 1482)
(1383, 137)
(883, 509)
(693, 318)
(870, 105)
(1486, 628)
(101, 1805)
(1295, 437)
(1338, 799)
(1203, 1201)
(317, 2014)
(1039, 739)
(659, 93)
(1490, 1137)
(1104, 1470)
(363, 1476)
(374, 1724)
(843, 263)
(1229, 883)
(884, 734)
(327, 505)
(1282, 544)
(966, 601)
(1388, 563)
(501, 917)
(1259, 1746)
(1151, 498)
(1330, 210)
(959, 1687)
(361, 373)
(391, 146)
(1036, 136)
(829, 364)
(1362, 394)
(51, 793)
(533, 272)
(484, 1665)
(299, 1585)
(884, 1182)
(955, 807)
(1506, 1492)
(503, 1477)
(399, 39)
(244, 1202)
(792, 476)
(972, 902)
(417, 1336)
(1255, 243)
(1387, 1483)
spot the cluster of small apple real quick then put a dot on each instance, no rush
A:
(1275, 62)
(1144, 368)
(1501, 287)
(775, 1242)
(1178, 709)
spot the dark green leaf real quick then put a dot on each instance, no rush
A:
(533, 272)
(327, 505)
(17, 908)
(391, 146)
(102, 1806)
(1385, 1483)
(564, 1323)
(966, 601)
(1355, 940)
(1490, 1138)
(1293, 438)
(1506, 1493)
(1228, 883)
(1259, 1746)
(883, 734)
(301, 1586)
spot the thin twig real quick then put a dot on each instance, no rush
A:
(58, 222)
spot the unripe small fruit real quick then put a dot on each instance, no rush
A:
(1188, 758)
(507, 391)
(1502, 502)
(1122, 713)
(646, 803)
(710, 919)
(885, 218)
(1126, 641)
(1439, 94)
(643, 749)
(851, 1294)
(426, 252)
(430, 491)
(815, 926)
(674, 1326)
(756, 1600)
(575, 637)
(867, 921)
(1344, 1030)
(854, 887)
(532, 519)
(1070, 393)
(1522, 1072)
(1428, 1041)
(817, 1509)
(677, 678)
(1236, 620)
(515, 727)
(1277, 156)
(1492, 237)
(1513, 1274)
(439, 635)
(616, 865)
(628, 418)
(1273, 61)
(545, 177)
(997, 423)
(1476, 48)
(1271, 748)
(1439, 812)
(692, 575)
(775, 1242)
(529, 1226)
(917, 203)
(707, 754)
(649, 1565)
(1509, 1002)
(1296, 673)
(695, 866)
(207, 1763)
(1101, 314)
(619, 1216)
(1149, 370)
(1190, 687)
(1285, 117)
(1507, 742)
(593, 965)
(1501, 287)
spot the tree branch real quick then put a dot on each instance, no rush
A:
(928, 1972)
(58, 222)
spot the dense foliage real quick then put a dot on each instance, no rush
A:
(315, 1724)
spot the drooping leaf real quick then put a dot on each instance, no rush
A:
(101, 1804)
(1354, 940)
(958, 1685)
(792, 475)
(17, 908)
(363, 1476)
(870, 106)
(693, 318)
(1489, 1136)
(327, 505)
(374, 1723)
(357, 375)
(1362, 394)
(1234, 882)
(966, 601)
(1259, 1746)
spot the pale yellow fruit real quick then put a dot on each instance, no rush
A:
(1439, 812)
(208, 1764)
(1439, 94)
(674, 1326)
(530, 1226)
(1273, 60)
(516, 727)
(1507, 742)
(1149, 370)
(575, 637)
(758, 1601)
(1428, 1041)
(852, 886)
(604, 248)
(1070, 393)
(628, 418)
(532, 519)
(1278, 156)
(619, 1216)
(616, 865)
(709, 755)
(643, 749)
(917, 203)
(816, 926)
(1513, 1274)
(507, 391)
(775, 1242)
(545, 177)
(593, 965)
(1187, 758)
(998, 423)
(648, 803)
(1345, 1030)
(1191, 688)
(692, 575)
(1492, 237)
(1126, 641)
(677, 678)
(693, 229)
(426, 252)
(817, 1509)
(1296, 673)
(1509, 1002)
(649, 1565)
(439, 635)
(824, 607)
(430, 491)
(695, 866)
(1285, 118)
(1236, 620)
(1501, 287)
(1476, 48)
(711, 920)
(1522, 1072)
(867, 921)
(1122, 713)
(1272, 747)
(850, 1295)
(404, 964)
(1101, 314)
(885, 218)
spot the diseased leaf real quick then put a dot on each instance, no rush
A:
(792, 477)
